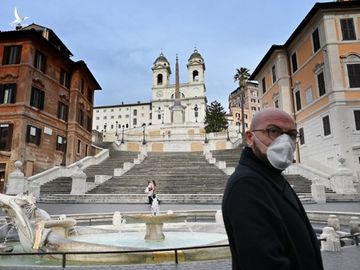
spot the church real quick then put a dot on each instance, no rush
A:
(179, 104)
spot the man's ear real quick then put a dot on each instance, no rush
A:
(249, 138)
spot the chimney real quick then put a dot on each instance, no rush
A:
(18, 27)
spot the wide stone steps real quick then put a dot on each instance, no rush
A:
(116, 160)
(175, 173)
(181, 178)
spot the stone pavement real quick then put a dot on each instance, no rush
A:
(347, 259)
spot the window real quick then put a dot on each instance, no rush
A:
(7, 93)
(82, 86)
(65, 78)
(308, 96)
(357, 119)
(316, 40)
(195, 76)
(263, 85)
(81, 117)
(326, 125)
(112, 117)
(112, 126)
(12, 55)
(33, 135)
(301, 134)
(90, 95)
(78, 146)
(97, 118)
(273, 71)
(347, 29)
(119, 116)
(321, 84)
(294, 62)
(105, 117)
(159, 116)
(6, 131)
(135, 112)
(61, 144)
(40, 61)
(354, 75)
(159, 79)
(134, 121)
(298, 100)
(89, 124)
(37, 98)
(86, 149)
(63, 110)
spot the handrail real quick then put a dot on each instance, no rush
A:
(64, 254)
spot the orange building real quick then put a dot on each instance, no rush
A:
(315, 76)
(46, 102)
(251, 104)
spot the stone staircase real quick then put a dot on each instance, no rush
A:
(301, 184)
(116, 159)
(231, 156)
(181, 177)
(174, 173)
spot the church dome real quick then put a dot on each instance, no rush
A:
(161, 58)
(195, 54)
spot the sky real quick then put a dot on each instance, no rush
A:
(120, 39)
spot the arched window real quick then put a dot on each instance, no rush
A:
(195, 76)
(159, 79)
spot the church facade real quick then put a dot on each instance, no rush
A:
(180, 104)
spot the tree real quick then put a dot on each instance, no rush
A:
(242, 75)
(215, 119)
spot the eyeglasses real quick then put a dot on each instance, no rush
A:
(274, 132)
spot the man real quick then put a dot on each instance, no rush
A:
(266, 223)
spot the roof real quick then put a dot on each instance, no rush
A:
(161, 58)
(82, 64)
(327, 6)
(50, 35)
(123, 105)
(195, 54)
(47, 36)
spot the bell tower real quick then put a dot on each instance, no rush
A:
(161, 72)
(196, 68)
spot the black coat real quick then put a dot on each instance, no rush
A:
(266, 223)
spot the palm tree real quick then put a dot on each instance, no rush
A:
(242, 75)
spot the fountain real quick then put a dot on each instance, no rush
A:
(38, 232)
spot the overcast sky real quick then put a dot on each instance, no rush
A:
(120, 39)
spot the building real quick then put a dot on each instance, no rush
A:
(191, 94)
(251, 104)
(315, 76)
(46, 102)
(116, 117)
(160, 110)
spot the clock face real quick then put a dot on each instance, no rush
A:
(159, 93)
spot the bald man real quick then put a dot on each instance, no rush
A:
(266, 223)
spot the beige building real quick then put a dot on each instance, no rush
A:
(315, 76)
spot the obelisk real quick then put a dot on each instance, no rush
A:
(177, 111)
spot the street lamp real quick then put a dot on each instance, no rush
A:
(196, 109)
(122, 137)
(143, 142)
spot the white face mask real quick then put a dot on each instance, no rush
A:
(280, 152)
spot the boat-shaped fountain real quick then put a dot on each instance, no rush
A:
(38, 232)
